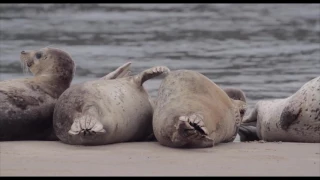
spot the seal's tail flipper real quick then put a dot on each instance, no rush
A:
(192, 129)
(150, 73)
(86, 125)
(120, 72)
(248, 133)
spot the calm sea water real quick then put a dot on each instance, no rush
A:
(267, 50)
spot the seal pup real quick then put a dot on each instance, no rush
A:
(191, 111)
(27, 104)
(292, 119)
(105, 111)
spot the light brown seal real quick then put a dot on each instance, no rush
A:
(105, 111)
(292, 119)
(27, 104)
(191, 111)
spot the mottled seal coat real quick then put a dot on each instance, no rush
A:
(292, 119)
(105, 111)
(191, 111)
(27, 104)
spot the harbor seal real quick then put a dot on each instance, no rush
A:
(292, 119)
(235, 93)
(105, 111)
(191, 111)
(27, 104)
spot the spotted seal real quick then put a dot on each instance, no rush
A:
(105, 111)
(292, 119)
(27, 104)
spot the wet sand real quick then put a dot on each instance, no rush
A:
(36, 158)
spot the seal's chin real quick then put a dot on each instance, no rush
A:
(24, 65)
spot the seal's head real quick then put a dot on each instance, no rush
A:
(239, 99)
(241, 106)
(235, 93)
(49, 62)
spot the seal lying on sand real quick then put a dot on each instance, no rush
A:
(106, 111)
(27, 104)
(192, 111)
(293, 119)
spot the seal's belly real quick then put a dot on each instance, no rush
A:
(127, 112)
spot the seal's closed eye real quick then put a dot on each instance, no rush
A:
(38, 55)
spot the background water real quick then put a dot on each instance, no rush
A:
(267, 50)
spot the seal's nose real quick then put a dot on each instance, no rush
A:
(23, 52)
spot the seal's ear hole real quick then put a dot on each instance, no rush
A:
(38, 55)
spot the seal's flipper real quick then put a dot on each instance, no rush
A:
(150, 73)
(248, 133)
(86, 125)
(120, 72)
(191, 129)
(289, 114)
(252, 117)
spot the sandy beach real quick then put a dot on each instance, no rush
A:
(39, 158)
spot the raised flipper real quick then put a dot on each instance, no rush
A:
(150, 73)
(290, 113)
(191, 132)
(120, 72)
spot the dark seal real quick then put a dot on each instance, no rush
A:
(27, 104)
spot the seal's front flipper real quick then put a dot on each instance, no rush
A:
(248, 133)
(289, 114)
(191, 130)
(252, 117)
(86, 125)
(120, 72)
(150, 73)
